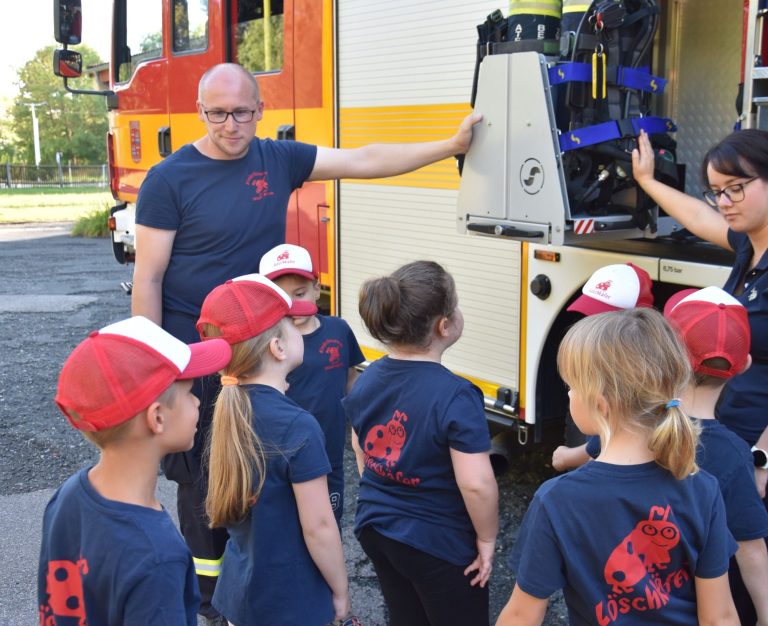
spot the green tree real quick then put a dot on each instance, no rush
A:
(250, 45)
(75, 125)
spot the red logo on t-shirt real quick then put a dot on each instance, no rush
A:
(635, 568)
(258, 180)
(64, 586)
(332, 349)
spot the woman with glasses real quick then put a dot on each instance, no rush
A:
(733, 215)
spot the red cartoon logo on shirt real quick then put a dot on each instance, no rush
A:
(258, 180)
(332, 349)
(635, 568)
(382, 448)
(385, 442)
(64, 586)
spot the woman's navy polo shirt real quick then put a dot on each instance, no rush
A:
(743, 406)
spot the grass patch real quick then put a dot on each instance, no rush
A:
(19, 206)
(93, 224)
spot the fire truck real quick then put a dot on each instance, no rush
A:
(346, 73)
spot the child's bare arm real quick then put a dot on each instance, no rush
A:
(565, 458)
(359, 456)
(714, 604)
(752, 558)
(474, 476)
(321, 534)
(522, 609)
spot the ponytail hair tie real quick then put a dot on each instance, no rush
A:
(227, 381)
(672, 403)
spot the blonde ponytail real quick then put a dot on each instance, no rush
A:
(674, 441)
(236, 458)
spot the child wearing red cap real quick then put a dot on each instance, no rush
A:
(331, 353)
(110, 553)
(283, 562)
(715, 329)
(610, 288)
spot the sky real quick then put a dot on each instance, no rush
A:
(31, 28)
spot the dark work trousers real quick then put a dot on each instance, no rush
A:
(741, 597)
(189, 470)
(423, 590)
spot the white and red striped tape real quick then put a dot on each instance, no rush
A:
(584, 227)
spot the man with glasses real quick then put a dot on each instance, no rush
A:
(209, 212)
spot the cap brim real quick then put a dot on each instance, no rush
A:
(590, 306)
(207, 358)
(675, 299)
(302, 308)
(291, 270)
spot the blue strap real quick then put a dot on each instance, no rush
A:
(570, 72)
(607, 131)
(639, 79)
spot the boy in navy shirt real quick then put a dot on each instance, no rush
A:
(715, 329)
(331, 353)
(110, 553)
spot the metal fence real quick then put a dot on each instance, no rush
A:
(19, 176)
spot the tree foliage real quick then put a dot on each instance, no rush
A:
(74, 125)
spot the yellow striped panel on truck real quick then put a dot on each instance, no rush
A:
(360, 126)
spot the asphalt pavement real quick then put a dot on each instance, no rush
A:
(54, 290)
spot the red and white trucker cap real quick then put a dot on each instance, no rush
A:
(712, 323)
(118, 371)
(287, 259)
(246, 306)
(613, 288)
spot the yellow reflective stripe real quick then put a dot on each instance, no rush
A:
(535, 7)
(207, 567)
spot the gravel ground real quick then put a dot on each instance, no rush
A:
(54, 290)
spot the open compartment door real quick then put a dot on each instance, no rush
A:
(513, 183)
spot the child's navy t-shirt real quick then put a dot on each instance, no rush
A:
(226, 213)
(320, 382)
(624, 542)
(407, 416)
(267, 575)
(104, 562)
(726, 456)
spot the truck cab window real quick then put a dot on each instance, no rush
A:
(143, 35)
(190, 25)
(258, 35)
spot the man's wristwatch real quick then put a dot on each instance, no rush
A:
(760, 457)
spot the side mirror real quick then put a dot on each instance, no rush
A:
(67, 63)
(67, 21)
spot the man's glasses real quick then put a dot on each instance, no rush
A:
(241, 116)
(735, 193)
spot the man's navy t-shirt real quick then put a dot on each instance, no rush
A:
(226, 213)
